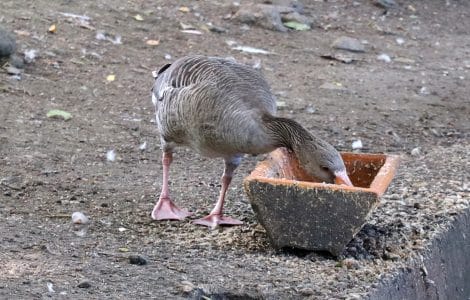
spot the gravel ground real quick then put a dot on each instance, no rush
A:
(49, 168)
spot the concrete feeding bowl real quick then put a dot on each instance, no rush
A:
(298, 212)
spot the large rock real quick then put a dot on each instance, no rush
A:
(297, 212)
(271, 16)
(349, 44)
(7, 43)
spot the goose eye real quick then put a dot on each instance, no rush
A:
(325, 169)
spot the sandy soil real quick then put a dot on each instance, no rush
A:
(50, 168)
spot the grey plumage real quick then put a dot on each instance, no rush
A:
(213, 105)
(221, 108)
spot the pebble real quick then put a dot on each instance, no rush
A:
(354, 296)
(137, 260)
(350, 263)
(391, 256)
(281, 104)
(16, 61)
(386, 3)
(349, 44)
(13, 71)
(307, 291)
(85, 284)
(79, 218)
(310, 109)
(416, 152)
(186, 286)
(424, 90)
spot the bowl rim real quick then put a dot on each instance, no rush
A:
(378, 185)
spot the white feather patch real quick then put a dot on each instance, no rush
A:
(154, 99)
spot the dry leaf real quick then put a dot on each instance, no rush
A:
(153, 42)
(184, 9)
(297, 26)
(111, 77)
(52, 28)
(138, 18)
(57, 113)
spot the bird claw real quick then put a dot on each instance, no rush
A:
(215, 220)
(167, 210)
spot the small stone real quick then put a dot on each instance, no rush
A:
(391, 256)
(137, 260)
(386, 3)
(424, 91)
(281, 104)
(186, 286)
(85, 284)
(350, 263)
(416, 152)
(417, 205)
(217, 29)
(349, 44)
(16, 61)
(13, 71)
(310, 109)
(307, 291)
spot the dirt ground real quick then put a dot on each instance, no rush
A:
(50, 168)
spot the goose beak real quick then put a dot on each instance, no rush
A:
(341, 177)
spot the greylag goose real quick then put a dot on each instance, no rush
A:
(221, 108)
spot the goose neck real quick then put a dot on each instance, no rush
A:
(286, 132)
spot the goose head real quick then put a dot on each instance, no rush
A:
(321, 160)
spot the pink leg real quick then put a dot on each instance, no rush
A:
(216, 216)
(165, 209)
